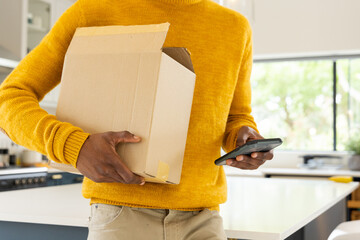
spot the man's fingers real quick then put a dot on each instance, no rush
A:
(99, 161)
(243, 165)
(250, 160)
(116, 162)
(128, 176)
(112, 174)
(263, 155)
(255, 160)
(131, 178)
(106, 173)
(124, 136)
(245, 162)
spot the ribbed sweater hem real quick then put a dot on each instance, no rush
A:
(104, 201)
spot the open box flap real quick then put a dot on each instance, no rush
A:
(119, 39)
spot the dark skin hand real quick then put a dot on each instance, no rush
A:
(256, 159)
(99, 161)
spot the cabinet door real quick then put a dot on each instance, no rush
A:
(13, 19)
(283, 28)
(38, 22)
(58, 8)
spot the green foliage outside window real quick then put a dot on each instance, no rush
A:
(294, 100)
(348, 101)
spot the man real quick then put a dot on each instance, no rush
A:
(123, 206)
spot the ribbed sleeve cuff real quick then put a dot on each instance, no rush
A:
(73, 145)
(229, 143)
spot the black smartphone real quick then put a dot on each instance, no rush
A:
(261, 145)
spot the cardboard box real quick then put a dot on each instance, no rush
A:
(118, 78)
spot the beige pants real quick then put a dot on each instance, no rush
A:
(110, 222)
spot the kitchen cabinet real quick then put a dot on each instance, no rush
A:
(23, 24)
(283, 28)
(354, 205)
(38, 22)
(56, 212)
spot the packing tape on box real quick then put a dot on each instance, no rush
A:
(163, 171)
(115, 30)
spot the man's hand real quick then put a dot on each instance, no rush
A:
(99, 161)
(256, 159)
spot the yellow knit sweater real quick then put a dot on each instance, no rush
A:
(220, 43)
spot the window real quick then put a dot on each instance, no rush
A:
(295, 99)
(348, 100)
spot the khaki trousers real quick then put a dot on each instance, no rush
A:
(109, 222)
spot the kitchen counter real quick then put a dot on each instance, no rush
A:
(274, 209)
(59, 205)
(24, 170)
(44, 213)
(265, 172)
(257, 208)
(308, 172)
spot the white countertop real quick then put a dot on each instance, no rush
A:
(261, 172)
(9, 171)
(309, 172)
(257, 208)
(58, 205)
(230, 171)
(267, 208)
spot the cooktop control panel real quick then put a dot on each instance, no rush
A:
(24, 178)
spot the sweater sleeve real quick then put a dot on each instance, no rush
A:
(22, 119)
(240, 110)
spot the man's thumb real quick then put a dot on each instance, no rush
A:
(241, 140)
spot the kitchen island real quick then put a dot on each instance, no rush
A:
(58, 212)
(294, 172)
(257, 208)
(276, 209)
